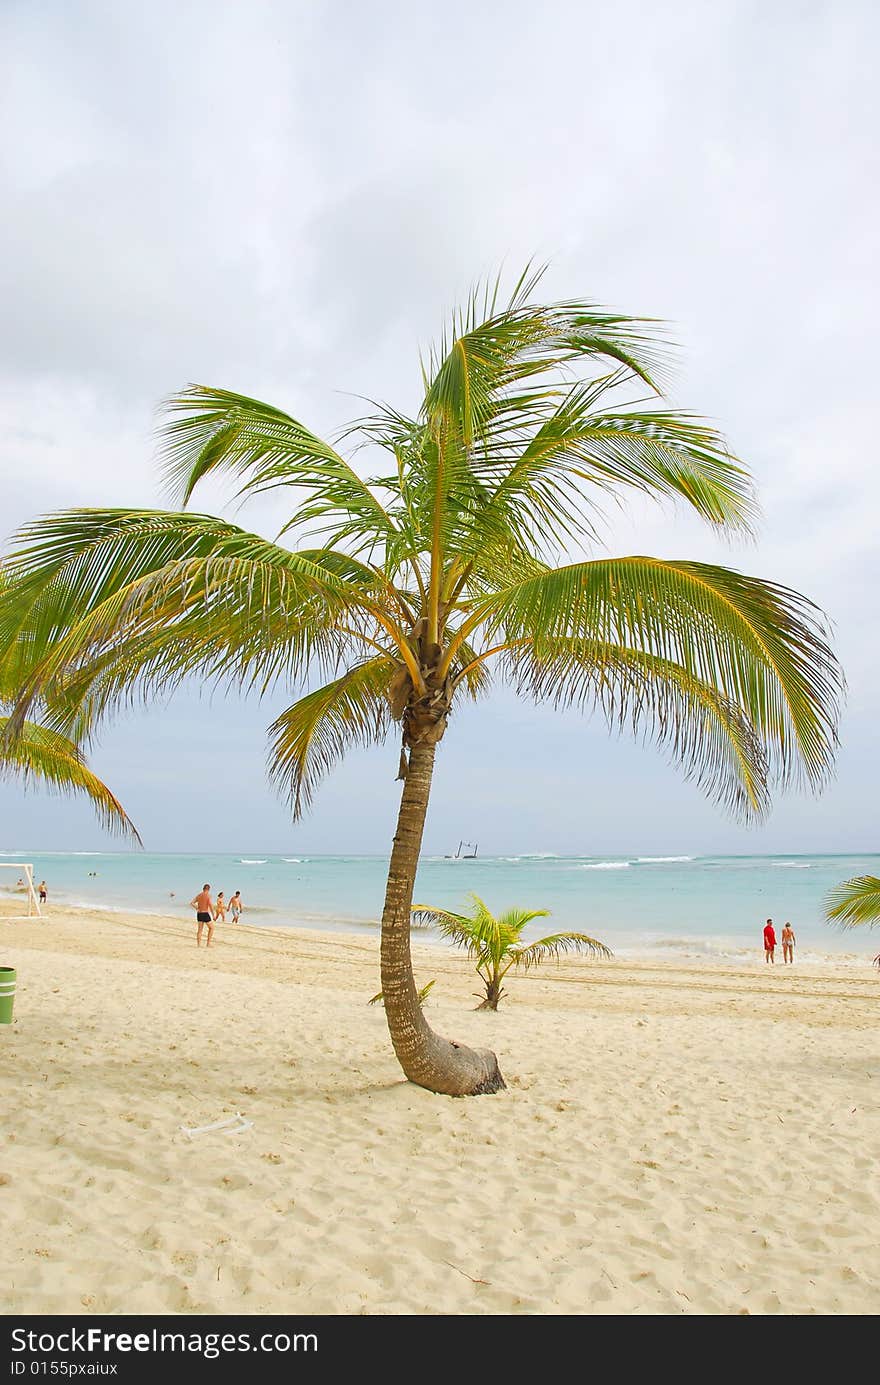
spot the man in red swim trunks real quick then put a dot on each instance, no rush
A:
(769, 942)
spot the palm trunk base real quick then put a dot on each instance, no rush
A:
(451, 1069)
(493, 1082)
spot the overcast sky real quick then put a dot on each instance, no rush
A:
(284, 199)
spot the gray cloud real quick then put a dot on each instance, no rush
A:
(286, 198)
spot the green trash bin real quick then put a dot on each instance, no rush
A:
(7, 994)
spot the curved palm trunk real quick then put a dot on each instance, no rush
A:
(425, 1057)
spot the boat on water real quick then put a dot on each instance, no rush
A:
(469, 855)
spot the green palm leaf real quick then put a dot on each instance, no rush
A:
(107, 600)
(477, 374)
(555, 946)
(656, 700)
(214, 430)
(313, 734)
(431, 916)
(580, 450)
(855, 902)
(763, 647)
(38, 753)
(474, 933)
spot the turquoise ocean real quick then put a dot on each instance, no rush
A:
(654, 906)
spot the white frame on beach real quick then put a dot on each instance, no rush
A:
(33, 901)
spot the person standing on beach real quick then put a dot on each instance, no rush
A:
(236, 906)
(769, 942)
(220, 908)
(788, 942)
(44, 893)
(204, 907)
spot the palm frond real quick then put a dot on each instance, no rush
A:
(479, 933)
(855, 902)
(763, 647)
(457, 927)
(475, 675)
(658, 701)
(478, 371)
(552, 486)
(312, 735)
(515, 920)
(491, 385)
(555, 946)
(109, 598)
(213, 430)
(38, 753)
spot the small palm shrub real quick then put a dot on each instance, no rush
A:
(494, 942)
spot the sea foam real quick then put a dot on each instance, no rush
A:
(657, 860)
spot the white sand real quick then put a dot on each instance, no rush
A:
(672, 1141)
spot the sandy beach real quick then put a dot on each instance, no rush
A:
(673, 1139)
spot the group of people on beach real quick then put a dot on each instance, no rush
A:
(210, 911)
(788, 942)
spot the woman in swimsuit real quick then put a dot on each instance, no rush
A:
(220, 908)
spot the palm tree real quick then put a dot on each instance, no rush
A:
(395, 594)
(855, 902)
(495, 943)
